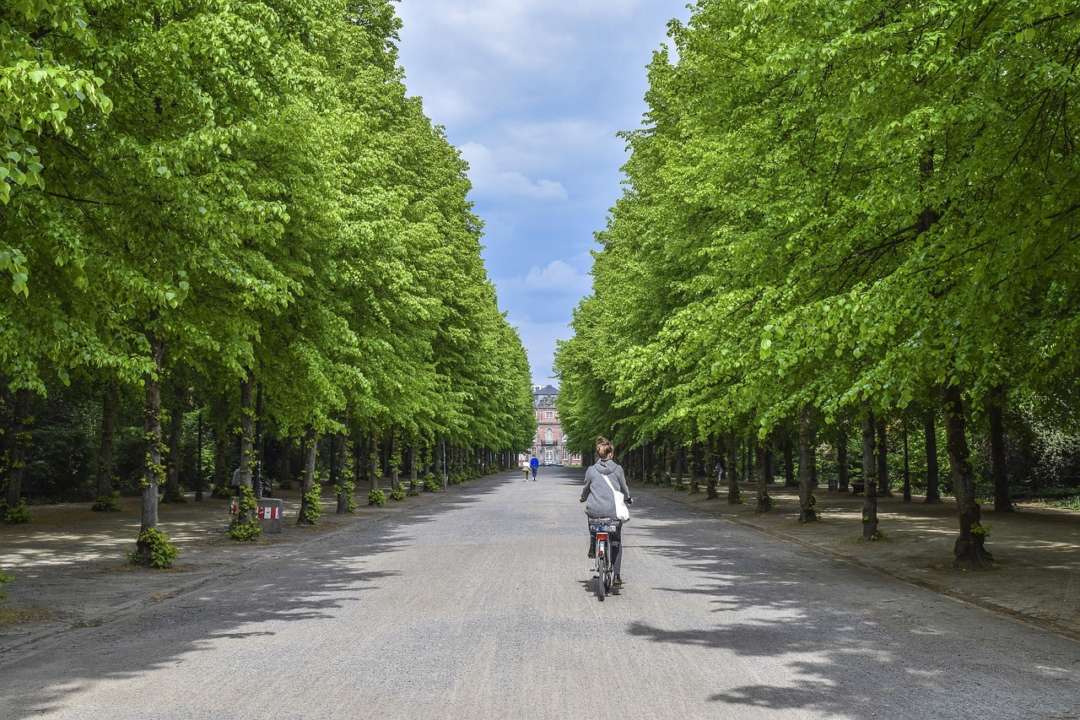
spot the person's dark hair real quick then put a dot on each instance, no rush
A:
(604, 448)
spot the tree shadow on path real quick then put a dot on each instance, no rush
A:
(841, 641)
(311, 582)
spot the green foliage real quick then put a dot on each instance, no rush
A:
(312, 505)
(431, 484)
(17, 515)
(376, 497)
(347, 488)
(4, 580)
(245, 526)
(1066, 503)
(107, 503)
(397, 494)
(154, 550)
(320, 242)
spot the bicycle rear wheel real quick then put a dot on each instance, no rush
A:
(601, 562)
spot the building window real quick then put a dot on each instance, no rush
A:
(547, 416)
(549, 438)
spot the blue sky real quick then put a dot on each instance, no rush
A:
(533, 92)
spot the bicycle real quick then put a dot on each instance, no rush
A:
(604, 530)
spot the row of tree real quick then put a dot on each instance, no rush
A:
(235, 209)
(842, 220)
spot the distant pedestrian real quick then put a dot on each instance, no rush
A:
(534, 466)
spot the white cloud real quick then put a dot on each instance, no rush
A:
(489, 178)
(521, 33)
(558, 275)
(540, 341)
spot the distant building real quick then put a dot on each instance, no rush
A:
(549, 445)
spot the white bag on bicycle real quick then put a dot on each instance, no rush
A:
(621, 511)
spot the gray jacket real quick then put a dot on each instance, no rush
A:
(601, 502)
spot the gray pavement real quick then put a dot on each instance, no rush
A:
(479, 606)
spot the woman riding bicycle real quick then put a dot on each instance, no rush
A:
(602, 480)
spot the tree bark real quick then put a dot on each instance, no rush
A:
(789, 462)
(311, 451)
(734, 494)
(969, 551)
(153, 470)
(199, 478)
(933, 487)
(680, 466)
(247, 432)
(764, 501)
(843, 474)
(173, 493)
(373, 462)
(884, 483)
(19, 445)
(907, 464)
(109, 402)
(414, 470)
(998, 470)
(258, 445)
(342, 451)
(869, 469)
(445, 469)
(807, 482)
(713, 458)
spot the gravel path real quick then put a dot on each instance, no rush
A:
(479, 606)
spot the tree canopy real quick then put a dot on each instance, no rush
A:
(839, 209)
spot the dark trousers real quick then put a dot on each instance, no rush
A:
(615, 540)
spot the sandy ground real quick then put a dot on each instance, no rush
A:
(1036, 550)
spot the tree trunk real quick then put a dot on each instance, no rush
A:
(173, 493)
(711, 460)
(995, 410)
(311, 451)
(907, 464)
(693, 468)
(373, 462)
(414, 475)
(884, 484)
(358, 460)
(445, 469)
(199, 478)
(109, 402)
(153, 470)
(341, 453)
(19, 445)
(680, 466)
(247, 432)
(789, 462)
(734, 494)
(764, 501)
(933, 488)
(221, 457)
(843, 475)
(258, 448)
(807, 482)
(969, 551)
(869, 470)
